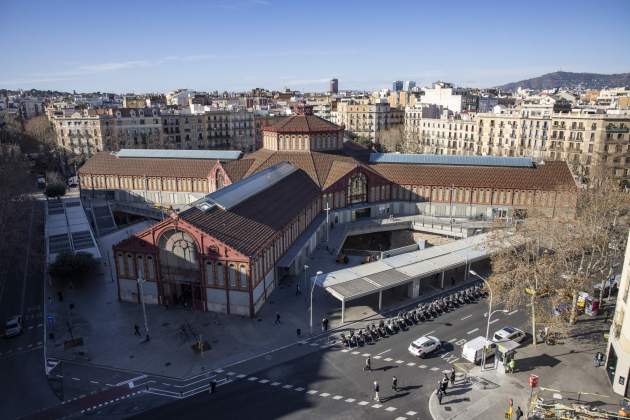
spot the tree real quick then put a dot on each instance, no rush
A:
(40, 129)
(72, 268)
(392, 139)
(559, 257)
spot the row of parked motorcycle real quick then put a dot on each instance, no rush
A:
(423, 312)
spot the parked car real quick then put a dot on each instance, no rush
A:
(507, 334)
(424, 346)
(13, 326)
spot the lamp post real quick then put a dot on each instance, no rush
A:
(319, 273)
(144, 310)
(490, 313)
(327, 220)
(306, 267)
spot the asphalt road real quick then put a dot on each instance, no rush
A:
(23, 383)
(319, 378)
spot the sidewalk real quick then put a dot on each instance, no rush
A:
(564, 367)
(106, 325)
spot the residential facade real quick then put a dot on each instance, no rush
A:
(367, 119)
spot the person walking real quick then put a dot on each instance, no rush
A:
(444, 385)
(376, 389)
(440, 394)
(325, 324)
(297, 289)
(136, 330)
(395, 384)
(452, 376)
(368, 365)
(212, 387)
(277, 321)
(519, 413)
(511, 365)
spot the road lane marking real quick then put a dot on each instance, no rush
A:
(252, 378)
(363, 403)
(513, 312)
(94, 382)
(388, 359)
(76, 379)
(299, 388)
(231, 373)
(452, 340)
(422, 366)
(435, 369)
(263, 381)
(345, 350)
(277, 383)
(287, 386)
(312, 392)
(366, 355)
(494, 320)
(430, 332)
(337, 397)
(350, 400)
(383, 352)
(400, 418)
(59, 376)
(377, 405)
(411, 413)
(219, 370)
(466, 317)
(324, 394)
(240, 376)
(390, 409)
(411, 364)
(355, 352)
(472, 331)
(377, 357)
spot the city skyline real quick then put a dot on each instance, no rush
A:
(242, 44)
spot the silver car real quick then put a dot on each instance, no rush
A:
(13, 326)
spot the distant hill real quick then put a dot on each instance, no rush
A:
(563, 79)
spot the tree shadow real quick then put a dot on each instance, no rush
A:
(531, 363)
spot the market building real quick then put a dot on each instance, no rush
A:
(227, 250)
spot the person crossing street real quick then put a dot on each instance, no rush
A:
(395, 384)
(376, 390)
(452, 376)
(368, 365)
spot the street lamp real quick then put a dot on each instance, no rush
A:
(306, 267)
(490, 313)
(327, 209)
(141, 282)
(319, 273)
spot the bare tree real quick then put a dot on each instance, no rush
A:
(392, 139)
(40, 129)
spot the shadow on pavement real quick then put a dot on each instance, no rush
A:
(531, 363)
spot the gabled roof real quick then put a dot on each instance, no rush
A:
(105, 163)
(253, 222)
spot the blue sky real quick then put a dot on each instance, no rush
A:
(133, 45)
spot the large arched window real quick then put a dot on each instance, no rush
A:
(178, 256)
(243, 275)
(218, 180)
(357, 189)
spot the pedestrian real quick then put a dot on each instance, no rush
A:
(297, 289)
(453, 377)
(136, 330)
(395, 384)
(444, 385)
(325, 324)
(277, 318)
(376, 389)
(519, 413)
(299, 332)
(440, 394)
(368, 364)
(212, 387)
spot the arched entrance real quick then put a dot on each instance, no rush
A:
(179, 270)
(357, 189)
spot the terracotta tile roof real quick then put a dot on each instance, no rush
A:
(104, 163)
(236, 169)
(303, 124)
(253, 222)
(135, 244)
(550, 176)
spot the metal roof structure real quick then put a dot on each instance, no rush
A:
(355, 282)
(234, 194)
(179, 154)
(68, 229)
(453, 160)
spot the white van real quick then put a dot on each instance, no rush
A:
(473, 349)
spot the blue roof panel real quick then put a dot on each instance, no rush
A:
(454, 160)
(179, 154)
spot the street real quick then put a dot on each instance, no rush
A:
(24, 386)
(319, 378)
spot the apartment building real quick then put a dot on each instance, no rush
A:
(583, 138)
(454, 99)
(212, 129)
(85, 132)
(366, 119)
(439, 132)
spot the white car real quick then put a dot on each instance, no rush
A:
(424, 345)
(508, 333)
(13, 326)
